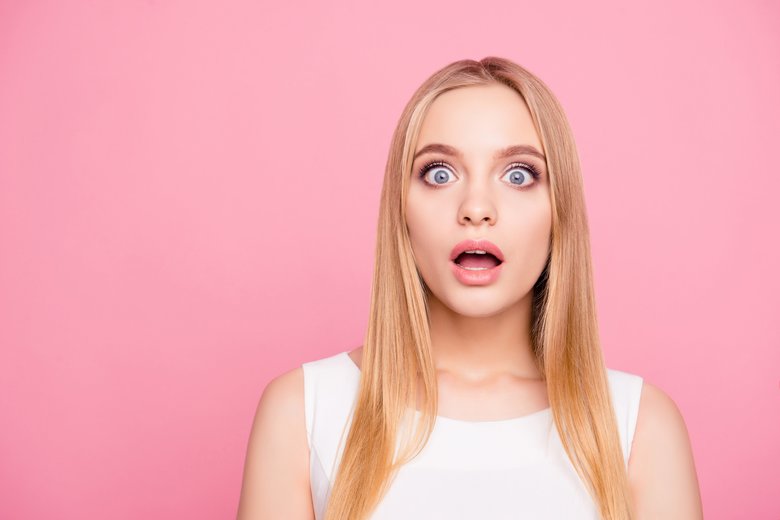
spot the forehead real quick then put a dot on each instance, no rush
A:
(478, 120)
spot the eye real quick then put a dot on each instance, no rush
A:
(437, 171)
(519, 172)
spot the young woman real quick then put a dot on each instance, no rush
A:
(480, 390)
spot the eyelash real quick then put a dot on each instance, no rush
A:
(425, 168)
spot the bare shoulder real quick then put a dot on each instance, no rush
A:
(276, 469)
(661, 468)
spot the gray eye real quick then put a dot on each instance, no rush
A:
(437, 174)
(440, 174)
(518, 174)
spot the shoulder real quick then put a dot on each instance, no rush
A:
(661, 468)
(660, 427)
(276, 471)
(282, 398)
(280, 407)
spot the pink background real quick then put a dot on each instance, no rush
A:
(188, 202)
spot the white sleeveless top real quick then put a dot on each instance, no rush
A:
(511, 468)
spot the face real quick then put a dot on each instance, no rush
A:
(469, 189)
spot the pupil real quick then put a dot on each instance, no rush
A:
(440, 175)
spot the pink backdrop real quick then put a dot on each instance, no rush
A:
(188, 202)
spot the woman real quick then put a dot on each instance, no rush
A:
(480, 391)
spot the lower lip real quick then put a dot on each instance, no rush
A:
(475, 277)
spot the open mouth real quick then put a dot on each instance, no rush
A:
(477, 261)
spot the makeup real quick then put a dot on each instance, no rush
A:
(475, 277)
(476, 262)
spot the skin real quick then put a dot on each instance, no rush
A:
(480, 334)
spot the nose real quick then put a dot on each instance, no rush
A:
(476, 208)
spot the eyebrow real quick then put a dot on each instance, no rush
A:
(518, 149)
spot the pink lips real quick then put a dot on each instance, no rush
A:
(470, 245)
(471, 276)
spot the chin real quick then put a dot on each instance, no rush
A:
(471, 307)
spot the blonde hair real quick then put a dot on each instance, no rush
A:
(564, 329)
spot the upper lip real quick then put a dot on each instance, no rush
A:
(481, 244)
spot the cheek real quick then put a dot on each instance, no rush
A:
(419, 215)
(423, 222)
(540, 224)
(534, 227)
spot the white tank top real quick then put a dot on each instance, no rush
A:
(511, 468)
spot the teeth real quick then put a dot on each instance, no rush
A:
(476, 251)
(475, 268)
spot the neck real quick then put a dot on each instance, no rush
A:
(485, 347)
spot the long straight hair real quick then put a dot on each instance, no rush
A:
(564, 329)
